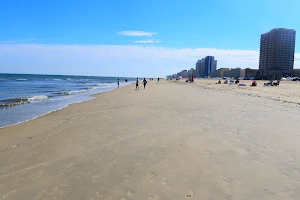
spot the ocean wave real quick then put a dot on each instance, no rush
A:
(38, 98)
(102, 84)
(52, 79)
(62, 93)
(71, 92)
(84, 89)
(22, 100)
(21, 79)
(88, 88)
(106, 84)
(76, 91)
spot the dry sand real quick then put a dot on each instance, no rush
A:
(170, 141)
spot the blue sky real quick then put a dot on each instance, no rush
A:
(145, 38)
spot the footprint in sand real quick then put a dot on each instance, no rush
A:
(98, 194)
(36, 175)
(4, 196)
(149, 176)
(207, 153)
(165, 183)
(115, 159)
(130, 193)
(228, 183)
(140, 162)
(154, 198)
(191, 193)
(95, 177)
(224, 179)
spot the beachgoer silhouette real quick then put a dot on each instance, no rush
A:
(137, 84)
(118, 83)
(144, 82)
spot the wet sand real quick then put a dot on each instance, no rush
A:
(170, 141)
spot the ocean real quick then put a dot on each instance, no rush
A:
(25, 96)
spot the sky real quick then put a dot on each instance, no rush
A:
(136, 37)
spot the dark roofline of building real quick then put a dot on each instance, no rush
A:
(285, 29)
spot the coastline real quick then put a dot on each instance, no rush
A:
(88, 98)
(170, 141)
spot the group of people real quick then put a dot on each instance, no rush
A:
(237, 82)
(254, 83)
(126, 80)
(137, 84)
(272, 83)
(144, 82)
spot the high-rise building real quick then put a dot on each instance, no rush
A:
(215, 65)
(205, 66)
(277, 51)
(200, 68)
(210, 65)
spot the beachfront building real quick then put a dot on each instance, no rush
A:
(191, 73)
(205, 66)
(250, 73)
(178, 74)
(219, 72)
(296, 73)
(277, 51)
(184, 73)
(215, 74)
(210, 64)
(235, 73)
(199, 68)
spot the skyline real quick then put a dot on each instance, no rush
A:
(149, 38)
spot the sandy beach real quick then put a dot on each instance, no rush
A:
(174, 140)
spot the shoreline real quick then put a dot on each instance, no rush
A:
(92, 96)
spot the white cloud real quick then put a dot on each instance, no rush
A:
(115, 60)
(137, 33)
(147, 41)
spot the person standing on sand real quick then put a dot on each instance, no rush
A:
(137, 84)
(144, 82)
(158, 79)
(118, 83)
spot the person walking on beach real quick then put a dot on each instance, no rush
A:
(137, 84)
(118, 83)
(144, 82)
(158, 79)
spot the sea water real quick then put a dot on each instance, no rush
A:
(25, 96)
